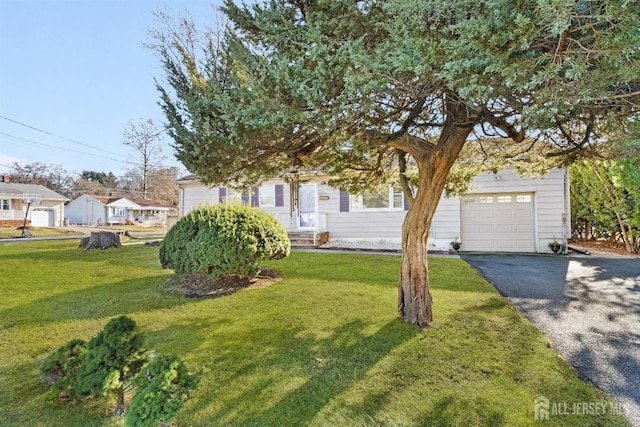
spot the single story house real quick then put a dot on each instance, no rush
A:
(43, 207)
(503, 212)
(90, 209)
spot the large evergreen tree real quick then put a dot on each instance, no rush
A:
(361, 88)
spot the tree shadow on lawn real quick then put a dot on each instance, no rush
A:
(250, 390)
(62, 252)
(447, 412)
(354, 268)
(92, 302)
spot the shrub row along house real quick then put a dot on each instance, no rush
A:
(90, 209)
(40, 206)
(502, 213)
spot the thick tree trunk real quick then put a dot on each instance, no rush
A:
(414, 297)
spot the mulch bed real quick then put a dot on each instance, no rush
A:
(200, 286)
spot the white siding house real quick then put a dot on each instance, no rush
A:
(502, 213)
(41, 206)
(91, 209)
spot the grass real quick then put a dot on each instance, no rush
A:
(323, 347)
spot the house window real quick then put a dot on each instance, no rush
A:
(468, 199)
(5, 205)
(485, 200)
(392, 198)
(397, 198)
(371, 200)
(228, 195)
(115, 211)
(354, 202)
(523, 198)
(267, 196)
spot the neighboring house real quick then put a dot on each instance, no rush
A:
(91, 209)
(45, 207)
(502, 213)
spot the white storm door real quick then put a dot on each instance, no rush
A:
(308, 206)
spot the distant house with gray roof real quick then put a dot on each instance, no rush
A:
(91, 209)
(41, 206)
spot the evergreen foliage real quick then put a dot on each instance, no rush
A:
(605, 201)
(112, 358)
(106, 366)
(59, 368)
(357, 88)
(161, 389)
(222, 240)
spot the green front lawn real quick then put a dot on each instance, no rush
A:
(323, 347)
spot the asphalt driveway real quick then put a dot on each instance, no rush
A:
(588, 306)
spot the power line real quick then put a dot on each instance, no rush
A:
(62, 137)
(19, 139)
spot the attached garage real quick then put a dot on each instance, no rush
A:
(501, 222)
(42, 218)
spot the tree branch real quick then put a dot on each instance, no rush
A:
(404, 180)
(509, 129)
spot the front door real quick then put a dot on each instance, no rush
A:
(308, 206)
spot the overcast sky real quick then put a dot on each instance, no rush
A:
(75, 73)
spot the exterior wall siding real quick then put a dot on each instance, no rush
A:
(551, 215)
(85, 211)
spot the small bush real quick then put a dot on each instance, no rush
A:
(223, 240)
(112, 358)
(161, 389)
(113, 362)
(59, 368)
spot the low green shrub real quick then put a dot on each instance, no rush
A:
(161, 389)
(59, 368)
(112, 358)
(226, 239)
(110, 364)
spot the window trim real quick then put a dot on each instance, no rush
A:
(357, 204)
(267, 191)
(3, 203)
(118, 211)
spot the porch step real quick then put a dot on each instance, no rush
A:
(304, 239)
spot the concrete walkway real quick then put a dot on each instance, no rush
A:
(588, 306)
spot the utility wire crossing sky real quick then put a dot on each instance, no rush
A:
(75, 74)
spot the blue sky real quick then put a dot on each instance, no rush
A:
(78, 69)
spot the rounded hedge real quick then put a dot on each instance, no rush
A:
(222, 240)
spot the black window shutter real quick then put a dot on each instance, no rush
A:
(279, 195)
(222, 194)
(254, 197)
(406, 202)
(344, 201)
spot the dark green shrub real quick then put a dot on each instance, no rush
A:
(63, 361)
(59, 368)
(112, 362)
(161, 389)
(223, 240)
(112, 358)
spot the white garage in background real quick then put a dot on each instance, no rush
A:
(42, 218)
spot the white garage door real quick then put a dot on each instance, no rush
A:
(41, 218)
(497, 222)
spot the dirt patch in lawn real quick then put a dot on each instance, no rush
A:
(200, 286)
